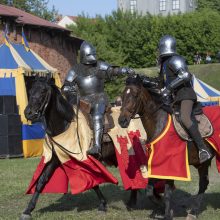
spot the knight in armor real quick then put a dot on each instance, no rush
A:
(87, 79)
(177, 82)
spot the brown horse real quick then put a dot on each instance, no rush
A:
(137, 99)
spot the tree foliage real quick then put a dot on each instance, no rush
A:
(36, 7)
(212, 4)
(131, 40)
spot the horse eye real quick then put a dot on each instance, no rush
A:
(135, 94)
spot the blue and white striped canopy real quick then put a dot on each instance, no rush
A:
(14, 56)
(206, 94)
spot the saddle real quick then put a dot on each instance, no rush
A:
(85, 107)
(204, 125)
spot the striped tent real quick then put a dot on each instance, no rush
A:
(206, 94)
(18, 63)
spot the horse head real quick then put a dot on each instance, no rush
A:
(132, 100)
(144, 101)
(39, 99)
(45, 98)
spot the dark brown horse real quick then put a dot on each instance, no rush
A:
(137, 99)
(47, 105)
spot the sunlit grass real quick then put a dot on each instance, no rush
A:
(16, 174)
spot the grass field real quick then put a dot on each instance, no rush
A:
(16, 174)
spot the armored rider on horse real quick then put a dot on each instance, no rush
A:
(87, 78)
(177, 82)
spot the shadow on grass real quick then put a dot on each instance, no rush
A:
(183, 201)
(88, 201)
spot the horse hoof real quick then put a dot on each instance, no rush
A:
(191, 217)
(102, 208)
(169, 216)
(25, 217)
(130, 205)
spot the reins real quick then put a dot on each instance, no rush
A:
(52, 141)
(42, 110)
(45, 103)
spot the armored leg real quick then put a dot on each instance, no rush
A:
(98, 127)
(204, 151)
(192, 128)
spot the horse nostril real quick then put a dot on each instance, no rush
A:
(120, 120)
(27, 112)
(123, 122)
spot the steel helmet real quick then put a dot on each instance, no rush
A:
(87, 53)
(167, 46)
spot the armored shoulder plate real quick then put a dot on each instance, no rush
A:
(103, 65)
(176, 64)
(71, 76)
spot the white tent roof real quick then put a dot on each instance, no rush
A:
(206, 94)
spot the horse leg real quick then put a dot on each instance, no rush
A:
(43, 179)
(167, 199)
(132, 199)
(152, 193)
(103, 203)
(203, 184)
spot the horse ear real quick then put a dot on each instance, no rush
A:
(134, 79)
(49, 78)
(138, 77)
(36, 78)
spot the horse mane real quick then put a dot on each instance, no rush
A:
(134, 80)
(63, 106)
(152, 85)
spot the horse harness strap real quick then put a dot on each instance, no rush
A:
(45, 103)
(52, 142)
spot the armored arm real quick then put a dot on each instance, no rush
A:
(150, 82)
(114, 70)
(69, 88)
(178, 66)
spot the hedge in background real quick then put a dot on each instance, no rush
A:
(131, 40)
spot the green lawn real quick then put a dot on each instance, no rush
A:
(16, 173)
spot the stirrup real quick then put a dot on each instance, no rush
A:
(204, 155)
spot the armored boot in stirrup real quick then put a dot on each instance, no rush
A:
(204, 152)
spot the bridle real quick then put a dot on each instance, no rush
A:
(141, 98)
(41, 115)
(40, 112)
(132, 114)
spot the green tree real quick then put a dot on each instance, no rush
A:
(131, 40)
(36, 7)
(212, 4)
(40, 8)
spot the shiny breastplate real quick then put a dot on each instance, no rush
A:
(91, 83)
(90, 80)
